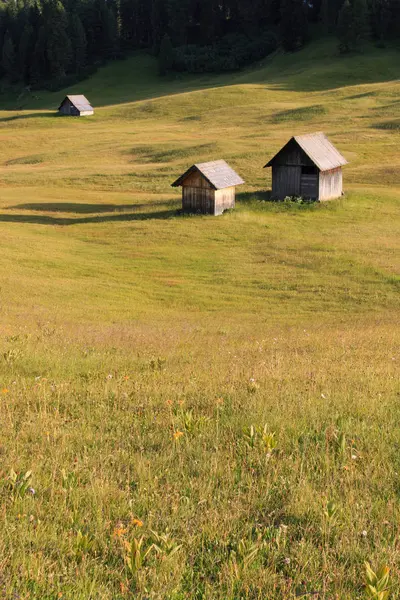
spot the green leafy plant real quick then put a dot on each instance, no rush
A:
(20, 484)
(331, 512)
(164, 544)
(377, 582)
(84, 544)
(135, 556)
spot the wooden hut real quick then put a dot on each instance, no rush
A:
(76, 106)
(208, 188)
(308, 166)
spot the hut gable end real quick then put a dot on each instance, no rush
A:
(308, 166)
(316, 146)
(218, 174)
(208, 188)
(76, 105)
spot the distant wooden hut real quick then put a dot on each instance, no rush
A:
(76, 106)
(208, 188)
(308, 166)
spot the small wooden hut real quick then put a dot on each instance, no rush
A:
(76, 106)
(308, 166)
(208, 188)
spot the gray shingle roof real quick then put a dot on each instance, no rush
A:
(218, 173)
(320, 150)
(79, 101)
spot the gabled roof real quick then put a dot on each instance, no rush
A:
(218, 173)
(319, 149)
(79, 101)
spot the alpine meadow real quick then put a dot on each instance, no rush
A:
(196, 407)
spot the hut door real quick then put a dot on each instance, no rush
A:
(309, 182)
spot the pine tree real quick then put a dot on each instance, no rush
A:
(362, 29)
(166, 56)
(325, 15)
(58, 47)
(345, 28)
(293, 24)
(9, 59)
(77, 36)
(39, 67)
(25, 52)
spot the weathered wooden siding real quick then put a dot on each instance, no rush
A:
(224, 199)
(198, 196)
(330, 184)
(67, 108)
(293, 155)
(309, 186)
(196, 180)
(286, 181)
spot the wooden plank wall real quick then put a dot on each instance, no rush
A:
(331, 184)
(286, 181)
(224, 199)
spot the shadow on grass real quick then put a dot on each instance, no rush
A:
(77, 208)
(35, 115)
(63, 221)
(248, 197)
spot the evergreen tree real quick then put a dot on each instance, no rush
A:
(25, 52)
(362, 29)
(345, 28)
(78, 41)
(325, 15)
(166, 56)
(293, 24)
(39, 69)
(58, 47)
(9, 59)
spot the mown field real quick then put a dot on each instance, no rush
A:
(195, 407)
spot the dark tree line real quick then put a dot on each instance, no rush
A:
(53, 40)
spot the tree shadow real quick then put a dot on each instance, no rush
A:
(76, 208)
(35, 115)
(64, 221)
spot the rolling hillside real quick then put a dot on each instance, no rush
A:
(221, 392)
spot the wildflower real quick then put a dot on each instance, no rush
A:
(177, 435)
(109, 376)
(287, 561)
(119, 531)
(4, 391)
(364, 533)
(126, 377)
(32, 491)
(59, 595)
(137, 522)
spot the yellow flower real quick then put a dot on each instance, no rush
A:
(126, 377)
(177, 435)
(137, 522)
(4, 391)
(119, 532)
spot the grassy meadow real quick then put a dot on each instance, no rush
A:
(197, 407)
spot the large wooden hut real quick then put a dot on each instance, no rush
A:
(76, 106)
(308, 166)
(208, 188)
